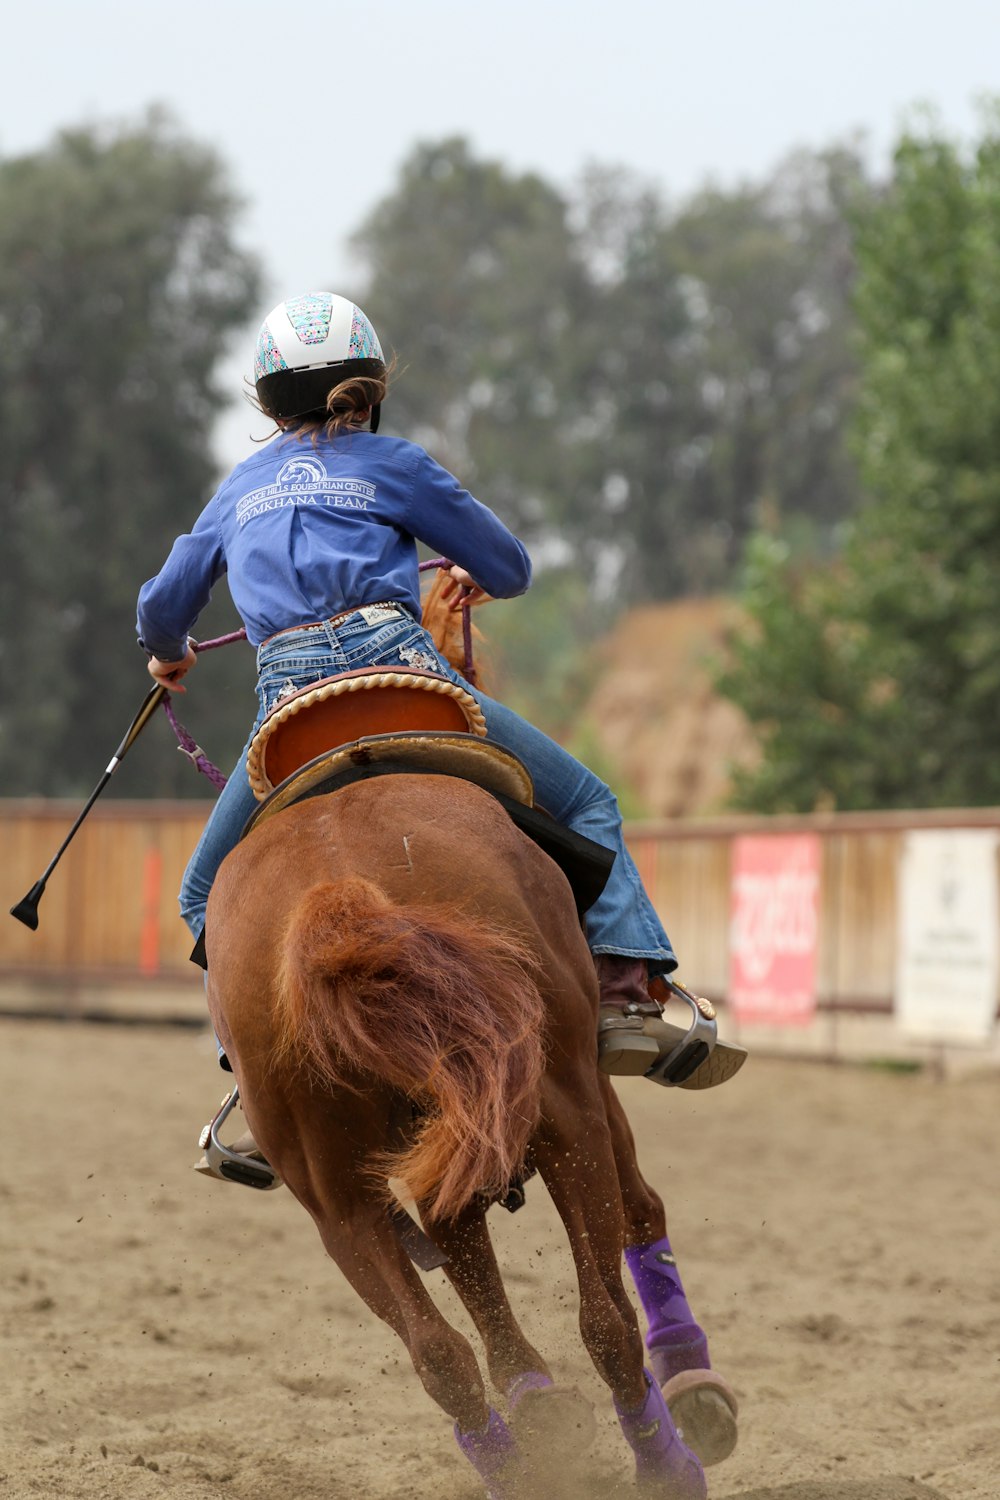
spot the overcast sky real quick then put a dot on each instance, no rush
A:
(314, 106)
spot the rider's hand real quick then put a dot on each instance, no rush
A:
(169, 673)
(457, 581)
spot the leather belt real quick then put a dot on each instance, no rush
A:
(337, 619)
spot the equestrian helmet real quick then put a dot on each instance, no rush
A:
(306, 346)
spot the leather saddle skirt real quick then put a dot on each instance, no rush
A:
(342, 710)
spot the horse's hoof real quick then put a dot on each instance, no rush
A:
(550, 1420)
(494, 1456)
(704, 1409)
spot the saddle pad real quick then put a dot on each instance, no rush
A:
(463, 755)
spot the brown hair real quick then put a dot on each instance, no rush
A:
(346, 405)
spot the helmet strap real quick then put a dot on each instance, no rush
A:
(376, 413)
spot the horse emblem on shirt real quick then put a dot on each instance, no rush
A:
(303, 480)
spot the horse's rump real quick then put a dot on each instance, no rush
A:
(467, 1045)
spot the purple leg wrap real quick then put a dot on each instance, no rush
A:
(660, 1456)
(674, 1340)
(531, 1380)
(493, 1455)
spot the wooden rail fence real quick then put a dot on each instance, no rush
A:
(109, 915)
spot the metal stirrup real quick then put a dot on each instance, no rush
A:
(693, 1049)
(230, 1164)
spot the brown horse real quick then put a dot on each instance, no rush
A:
(402, 985)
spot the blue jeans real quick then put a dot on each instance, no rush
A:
(621, 920)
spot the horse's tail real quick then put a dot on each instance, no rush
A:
(442, 1007)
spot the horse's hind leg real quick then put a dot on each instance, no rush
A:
(473, 1271)
(701, 1402)
(575, 1157)
(675, 1340)
(544, 1416)
(321, 1146)
(366, 1249)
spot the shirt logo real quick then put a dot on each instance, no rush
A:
(303, 480)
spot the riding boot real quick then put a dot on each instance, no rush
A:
(633, 1035)
(625, 1043)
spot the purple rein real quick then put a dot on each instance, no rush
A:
(186, 741)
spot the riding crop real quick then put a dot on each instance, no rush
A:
(26, 910)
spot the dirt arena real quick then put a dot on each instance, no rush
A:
(169, 1337)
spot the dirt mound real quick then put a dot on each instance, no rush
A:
(655, 713)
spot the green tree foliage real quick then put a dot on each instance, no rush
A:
(728, 373)
(627, 384)
(875, 683)
(475, 283)
(119, 282)
(773, 271)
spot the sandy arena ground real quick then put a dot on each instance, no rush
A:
(169, 1337)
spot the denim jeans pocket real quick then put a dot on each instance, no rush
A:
(288, 672)
(291, 665)
(402, 643)
(273, 689)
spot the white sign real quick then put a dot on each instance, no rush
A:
(947, 956)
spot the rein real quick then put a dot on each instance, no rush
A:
(187, 744)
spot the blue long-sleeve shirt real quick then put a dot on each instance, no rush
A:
(306, 531)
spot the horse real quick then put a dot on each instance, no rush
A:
(403, 988)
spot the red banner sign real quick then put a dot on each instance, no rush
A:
(774, 923)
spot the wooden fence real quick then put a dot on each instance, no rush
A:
(686, 869)
(109, 915)
(109, 911)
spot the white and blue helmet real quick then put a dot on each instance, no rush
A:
(306, 346)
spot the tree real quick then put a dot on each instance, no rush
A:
(119, 283)
(474, 279)
(896, 649)
(733, 314)
(627, 384)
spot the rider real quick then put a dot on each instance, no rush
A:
(317, 533)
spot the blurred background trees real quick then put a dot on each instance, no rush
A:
(628, 384)
(119, 284)
(632, 386)
(784, 392)
(873, 680)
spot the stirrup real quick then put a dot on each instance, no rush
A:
(677, 1065)
(232, 1166)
